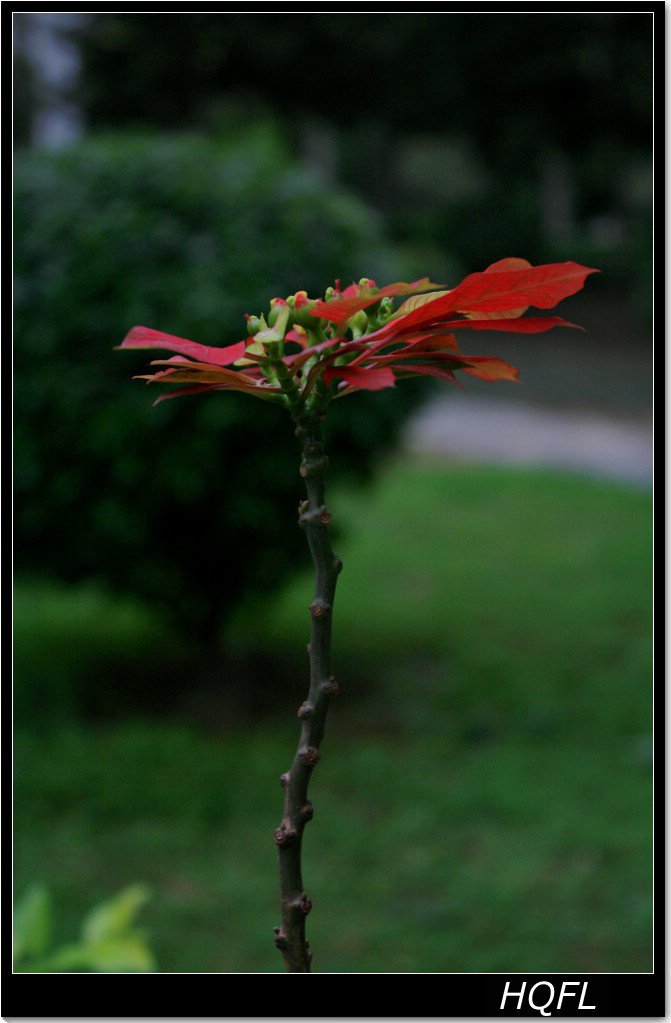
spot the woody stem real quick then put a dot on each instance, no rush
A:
(314, 519)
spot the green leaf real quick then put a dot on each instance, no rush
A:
(32, 923)
(125, 954)
(113, 919)
(66, 959)
(129, 954)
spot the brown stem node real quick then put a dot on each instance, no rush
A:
(309, 755)
(284, 835)
(305, 710)
(304, 904)
(314, 467)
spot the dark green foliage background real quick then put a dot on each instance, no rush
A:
(193, 503)
(445, 122)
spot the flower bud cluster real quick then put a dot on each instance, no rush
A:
(295, 313)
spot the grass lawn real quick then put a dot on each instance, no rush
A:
(484, 798)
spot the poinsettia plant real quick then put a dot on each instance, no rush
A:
(303, 354)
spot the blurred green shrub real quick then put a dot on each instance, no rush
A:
(192, 504)
(109, 941)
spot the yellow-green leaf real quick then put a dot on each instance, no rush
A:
(128, 954)
(418, 300)
(32, 923)
(113, 918)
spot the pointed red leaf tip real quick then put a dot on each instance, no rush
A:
(145, 337)
(355, 298)
(181, 392)
(525, 325)
(361, 379)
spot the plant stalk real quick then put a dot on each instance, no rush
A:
(314, 519)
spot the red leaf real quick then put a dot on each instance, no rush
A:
(525, 325)
(298, 335)
(178, 360)
(429, 370)
(398, 360)
(201, 373)
(492, 291)
(487, 367)
(509, 263)
(541, 286)
(363, 379)
(424, 343)
(439, 339)
(182, 391)
(145, 337)
(266, 393)
(431, 343)
(188, 365)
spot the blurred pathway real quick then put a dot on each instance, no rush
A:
(496, 431)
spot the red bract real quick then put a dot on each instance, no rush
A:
(307, 352)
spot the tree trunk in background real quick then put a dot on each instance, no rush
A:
(47, 68)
